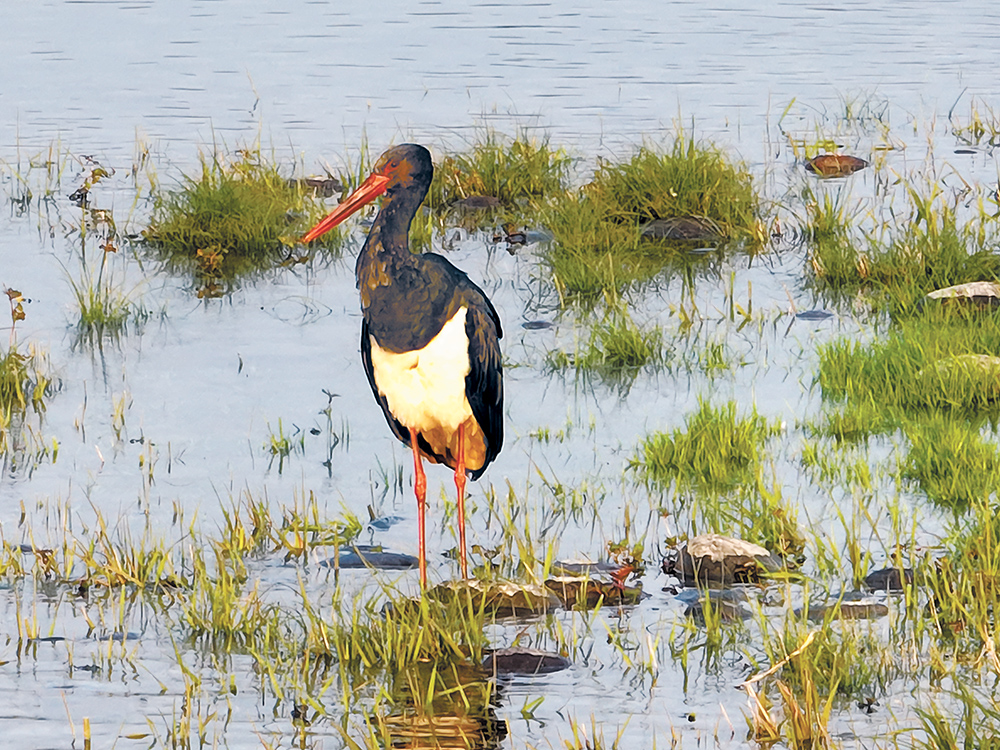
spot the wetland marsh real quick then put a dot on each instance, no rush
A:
(702, 336)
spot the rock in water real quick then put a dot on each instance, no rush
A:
(368, 556)
(835, 165)
(524, 661)
(716, 560)
(699, 228)
(983, 294)
(575, 591)
(500, 598)
(889, 579)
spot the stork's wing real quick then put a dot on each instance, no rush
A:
(484, 383)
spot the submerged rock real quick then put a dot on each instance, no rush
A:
(477, 203)
(584, 567)
(849, 609)
(537, 325)
(700, 228)
(369, 556)
(814, 315)
(835, 165)
(501, 598)
(575, 591)
(726, 605)
(889, 579)
(716, 560)
(524, 661)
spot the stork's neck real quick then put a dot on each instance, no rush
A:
(386, 254)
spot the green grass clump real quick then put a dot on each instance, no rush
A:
(906, 259)
(616, 347)
(234, 218)
(23, 385)
(598, 247)
(972, 721)
(521, 172)
(833, 256)
(930, 362)
(104, 309)
(963, 585)
(17, 391)
(716, 451)
(689, 180)
(982, 128)
(406, 633)
(844, 658)
(951, 461)
(936, 377)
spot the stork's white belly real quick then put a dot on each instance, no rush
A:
(425, 389)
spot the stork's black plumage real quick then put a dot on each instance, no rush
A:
(429, 337)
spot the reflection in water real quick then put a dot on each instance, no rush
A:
(459, 714)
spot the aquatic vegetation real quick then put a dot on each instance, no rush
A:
(105, 309)
(901, 261)
(936, 361)
(24, 383)
(599, 247)
(520, 173)
(828, 225)
(20, 388)
(236, 217)
(935, 377)
(281, 445)
(616, 347)
(973, 721)
(980, 128)
(963, 584)
(715, 451)
(951, 461)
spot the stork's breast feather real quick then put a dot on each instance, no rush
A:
(425, 388)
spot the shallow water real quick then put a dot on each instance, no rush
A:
(203, 385)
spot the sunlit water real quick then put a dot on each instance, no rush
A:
(206, 383)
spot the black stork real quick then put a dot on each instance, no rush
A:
(429, 336)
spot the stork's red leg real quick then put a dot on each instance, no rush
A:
(460, 486)
(420, 490)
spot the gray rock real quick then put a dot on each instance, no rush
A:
(716, 560)
(524, 661)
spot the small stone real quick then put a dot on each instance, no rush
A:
(324, 187)
(537, 325)
(699, 228)
(849, 610)
(835, 165)
(584, 567)
(477, 203)
(889, 579)
(814, 315)
(726, 611)
(524, 661)
(368, 556)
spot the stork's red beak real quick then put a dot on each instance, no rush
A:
(369, 190)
